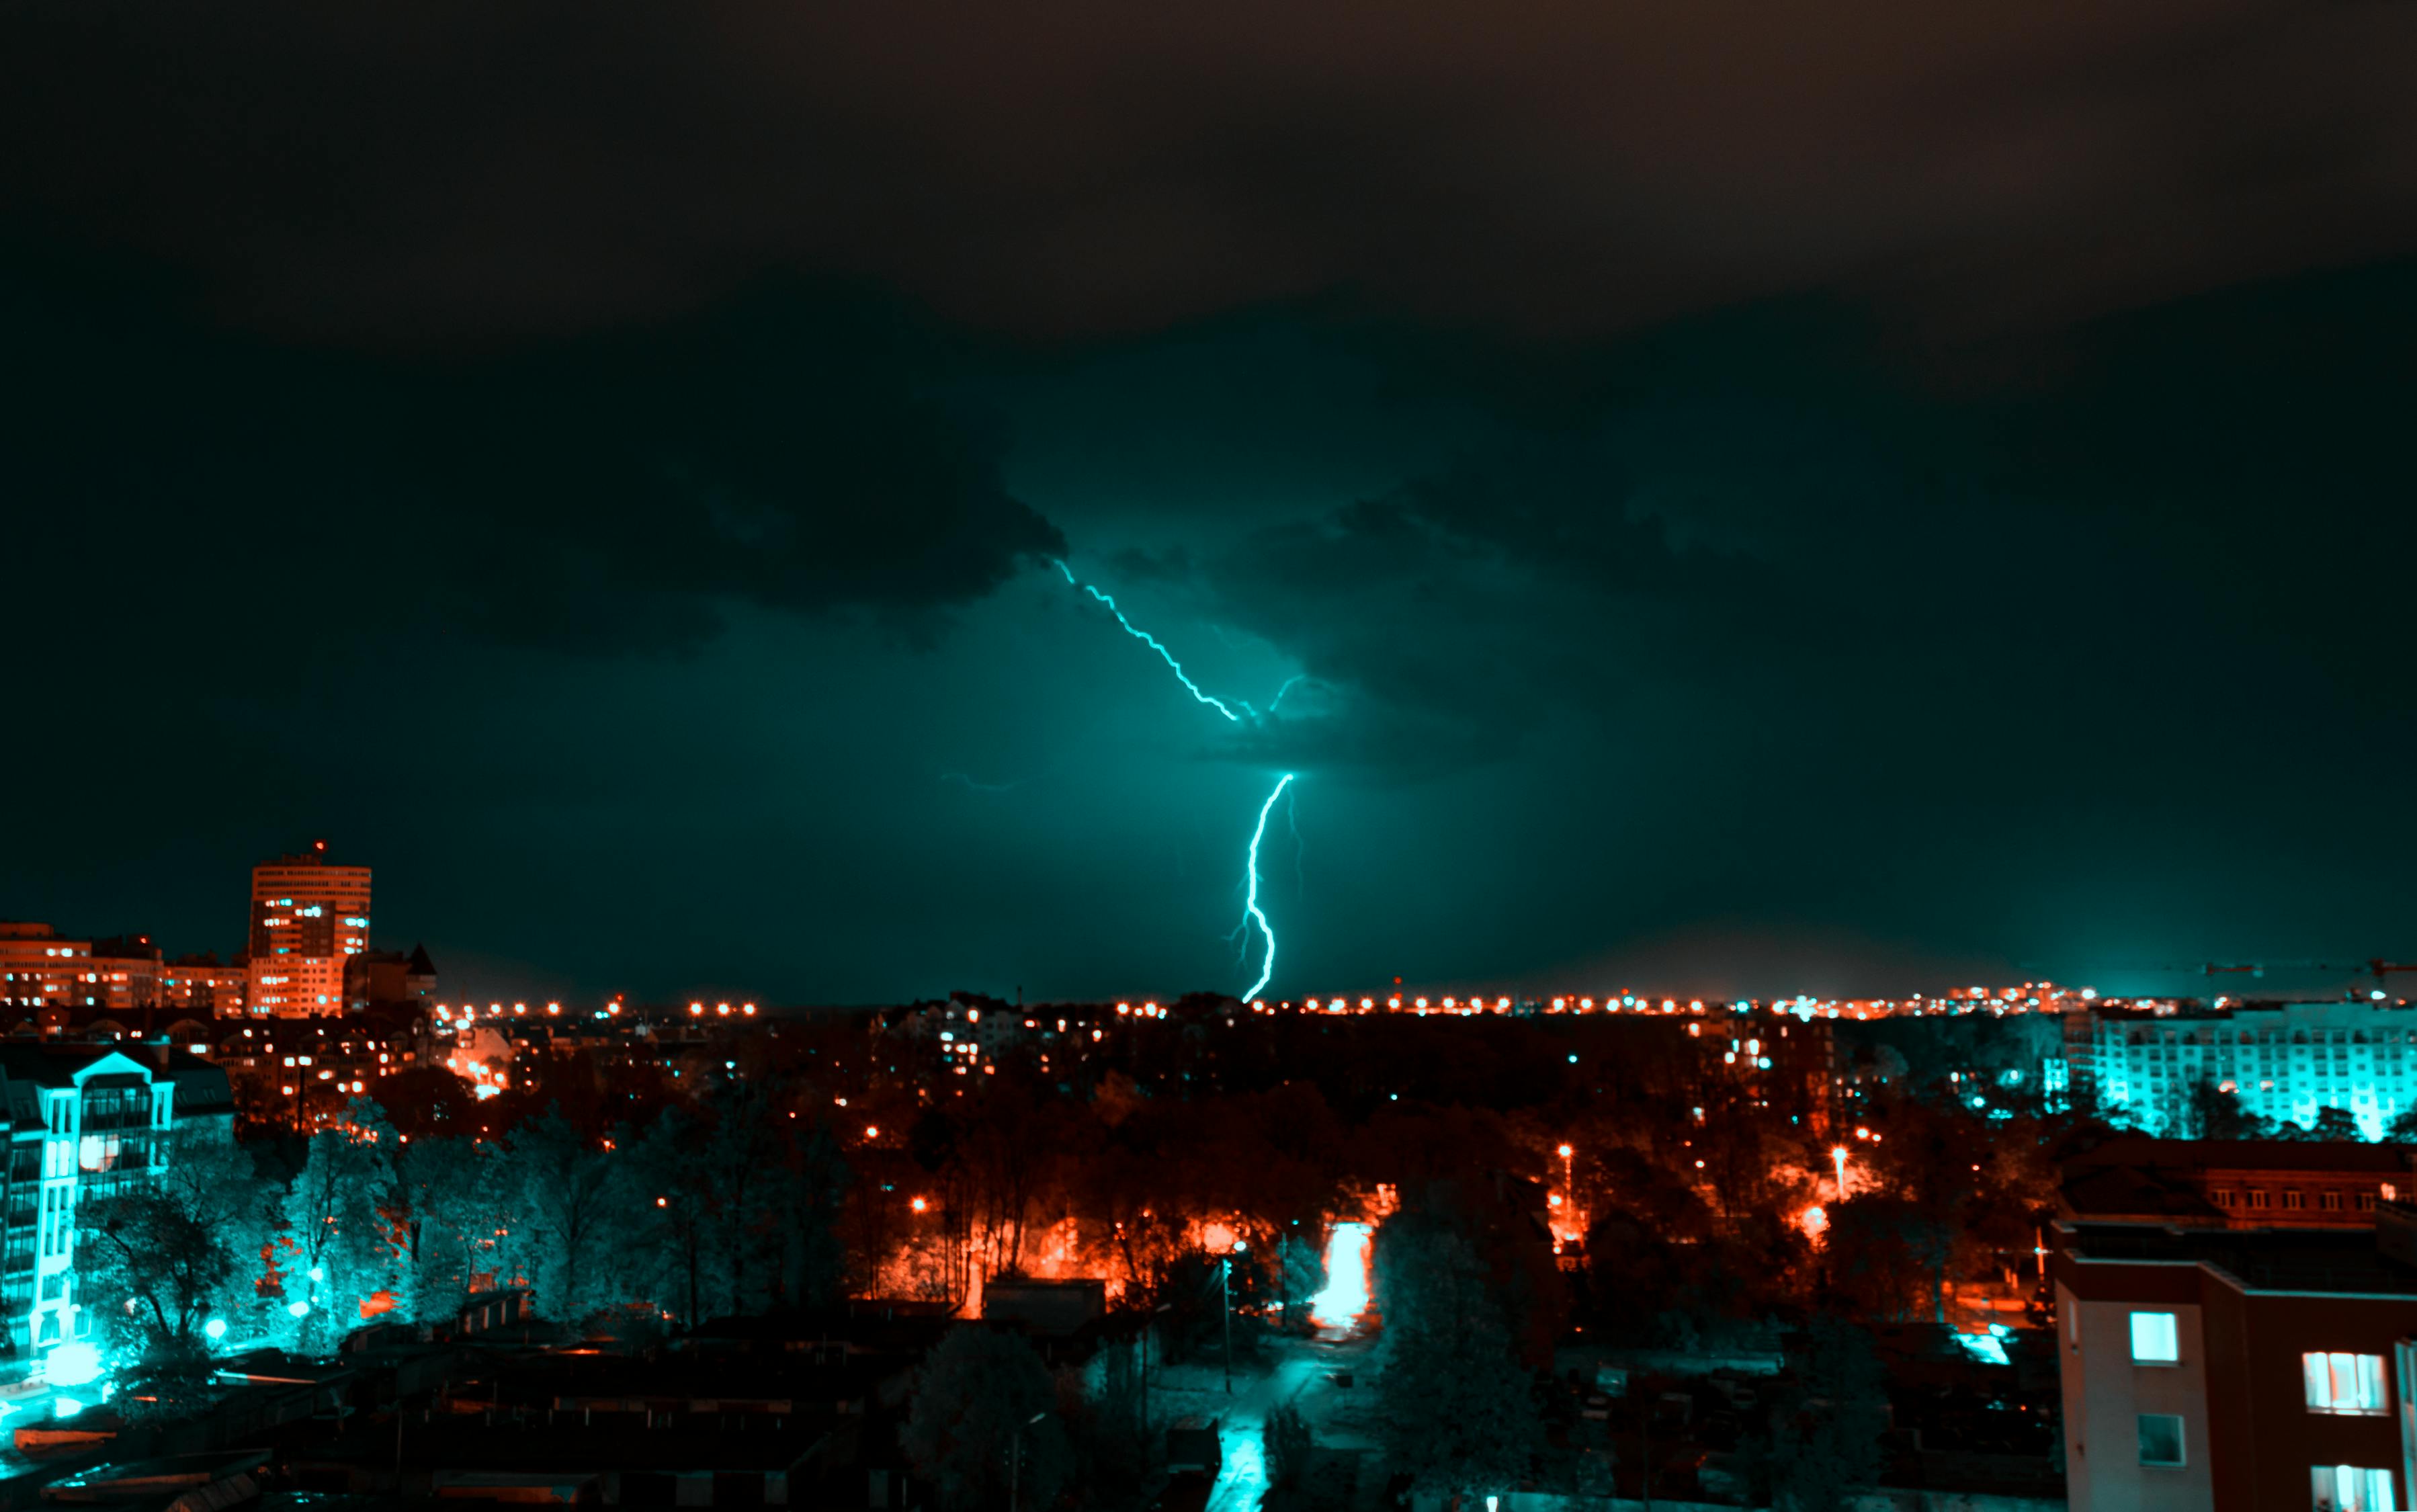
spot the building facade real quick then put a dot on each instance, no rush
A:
(205, 986)
(2234, 1371)
(309, 917)
(2287, 1061)
(2235, 1184)
(39, 968)
(82, 1121)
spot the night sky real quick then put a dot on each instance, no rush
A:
(1762, 499)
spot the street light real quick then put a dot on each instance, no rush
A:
(1838, 1158)
(1225, 1244)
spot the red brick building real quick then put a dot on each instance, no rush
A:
(2236, 1183)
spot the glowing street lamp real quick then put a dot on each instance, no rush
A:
(1223, 1242)
(1838, 1158)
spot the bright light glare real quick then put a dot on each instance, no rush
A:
(298, 1310)
(1345, 1296)
(72, 1365)
(214, 1329)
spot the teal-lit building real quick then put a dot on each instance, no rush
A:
(2286, 1061)
(83, 1120)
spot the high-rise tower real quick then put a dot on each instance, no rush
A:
(308, 918)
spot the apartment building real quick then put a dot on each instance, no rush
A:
(2223, 1355)
(310, 917)
(81, 1121)
(2287, 1061)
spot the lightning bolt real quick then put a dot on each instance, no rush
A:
(1251, 903)
(1152, 642)
(1251, 913)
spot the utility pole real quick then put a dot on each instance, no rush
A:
(1644, 1466)
(1015, 1458)
(1225, 1314)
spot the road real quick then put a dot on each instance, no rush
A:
(1243, 1442)
(1243, 1417)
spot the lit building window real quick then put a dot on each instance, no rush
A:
(2350, 1489)
(2345, 1385)
(2154, 1339)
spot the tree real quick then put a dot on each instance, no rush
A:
(1825, 1434)
(674, 1208)
(211, 1177)
(813, 1262)
(971, 1426)
(742, 1172)
(342, 1218)
(2335, 1124)
(1884, 1257)
(462, 1230)
(2217, 1114)
(1288, 1444)
(154, 1270)
(565, 1194)
(1459, 1412)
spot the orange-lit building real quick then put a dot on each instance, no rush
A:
(38, 968)
(201, 984)
(127, 969)
(309, 917)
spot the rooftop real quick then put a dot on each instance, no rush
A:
(2142, 1152)
(2254, 1260)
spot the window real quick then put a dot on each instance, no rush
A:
(2155, 1341)
(2330, 1201)
(2257, 1197)
(2160, 1439)
(2347, 1384)
(2292, 1200)
(2349, 1489)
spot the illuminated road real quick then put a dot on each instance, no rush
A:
(1244, 1477)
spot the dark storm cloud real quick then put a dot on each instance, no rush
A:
(1765, 515)
(449, 171)
(604, 493)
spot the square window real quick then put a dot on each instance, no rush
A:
(2291, 1199)
(2154, 1339)
(2160, 1439)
